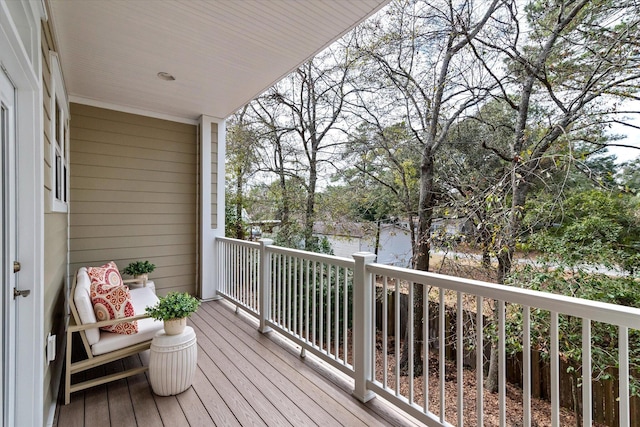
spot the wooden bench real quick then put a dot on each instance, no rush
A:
(100, 346)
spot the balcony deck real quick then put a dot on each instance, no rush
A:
(243, 378)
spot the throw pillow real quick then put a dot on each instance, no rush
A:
(111, 298)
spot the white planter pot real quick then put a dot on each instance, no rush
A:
(175, 326)
(144, 277)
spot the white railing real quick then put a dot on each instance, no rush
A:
(238, 273)
(307, 296)
(318, 300)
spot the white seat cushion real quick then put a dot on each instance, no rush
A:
(147, 328)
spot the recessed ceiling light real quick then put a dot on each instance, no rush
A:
(165, 76)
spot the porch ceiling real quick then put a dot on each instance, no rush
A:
(222, 53)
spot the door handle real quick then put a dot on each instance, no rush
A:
(17, 293)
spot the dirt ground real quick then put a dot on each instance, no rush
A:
(540, 409)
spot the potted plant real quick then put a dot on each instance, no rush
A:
(139, 269)
(173, 309)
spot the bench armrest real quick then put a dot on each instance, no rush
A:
(78, 328)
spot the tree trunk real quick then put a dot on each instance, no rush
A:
(309, 216)
(492, 383)
(239, 203)
(377, 245)
(505, 261)
(425, 214)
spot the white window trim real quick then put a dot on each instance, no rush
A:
(59, 96)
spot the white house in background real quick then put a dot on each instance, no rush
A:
(394, 243)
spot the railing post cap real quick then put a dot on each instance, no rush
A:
(266, 242)
(367, 257)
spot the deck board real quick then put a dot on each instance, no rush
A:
(244, 378)
(120, 405)
(284, 389)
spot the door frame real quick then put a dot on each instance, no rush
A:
(26, 76)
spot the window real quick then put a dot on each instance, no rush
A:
(59, 139)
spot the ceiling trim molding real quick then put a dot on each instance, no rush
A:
(131, 110)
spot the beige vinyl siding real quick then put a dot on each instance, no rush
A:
(133, 194)
(214, 175)
(55, 241)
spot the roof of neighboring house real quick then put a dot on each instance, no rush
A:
(222, 53)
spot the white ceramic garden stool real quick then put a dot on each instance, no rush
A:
(173, 361)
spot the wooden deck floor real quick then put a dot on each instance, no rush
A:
(243, 378)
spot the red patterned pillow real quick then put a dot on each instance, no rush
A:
(111, 298)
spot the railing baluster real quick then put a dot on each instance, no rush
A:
(555, 371)
(274, 287)
(526, 366)
(283, 273)
(314, 306)
(301, 286)
(586, 373)
(460, 359)
(425, 345)
(328, 308)
(502, 364)
(441, 353)
(397, 337)
(623, 375)
(320, 308)
(250, 273)
(243, 276)
(385, 331)
(232, 281)
(236, 279)
(479, 361)
(227, 277)
(229, 270)
(280, 292)
(336, 328)
(345, 312)
(222, 272)
(294, 298)
(255, 265)
(289, 299)
(374, 322)
(411, 338)
(232, 276)
(240, 276)
(307, 287)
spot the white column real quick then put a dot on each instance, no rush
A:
(362, 324)
(209, 231)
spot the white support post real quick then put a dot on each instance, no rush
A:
(211, 145)
(264, 284)
(362, 325)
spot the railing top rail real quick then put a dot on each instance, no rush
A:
(578, 307)
(239, 242)
(312, 256)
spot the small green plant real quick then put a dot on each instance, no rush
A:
(175, 305)
(137, 268)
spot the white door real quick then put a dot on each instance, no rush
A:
(8, 246)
